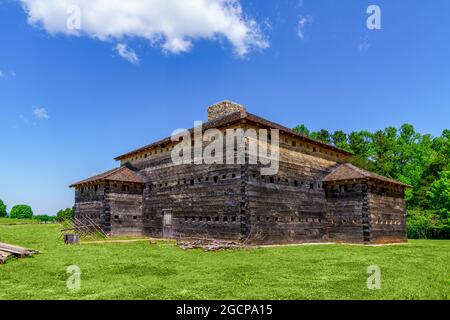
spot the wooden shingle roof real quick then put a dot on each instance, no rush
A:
(122, 174)
(349, 172)
(236, 117)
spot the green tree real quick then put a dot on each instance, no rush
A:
(439, 195)
(302, 129)
(441, 147)
(360, 143)
(21, 212)
(3, 212)
(64, 214)
(339, 139)
(384, 145)
(322, 135)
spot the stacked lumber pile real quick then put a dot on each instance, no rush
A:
(208, 244)
(7, 251)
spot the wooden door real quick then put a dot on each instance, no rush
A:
(167, 224)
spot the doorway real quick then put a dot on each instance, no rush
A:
(167, 223)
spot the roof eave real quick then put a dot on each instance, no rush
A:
(242, 117)
(78, 184)
(398, 183)
(169, 140)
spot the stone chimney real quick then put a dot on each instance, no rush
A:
(223, 108)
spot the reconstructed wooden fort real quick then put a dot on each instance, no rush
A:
(317, 196)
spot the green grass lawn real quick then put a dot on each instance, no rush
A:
(418, 270)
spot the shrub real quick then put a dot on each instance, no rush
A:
(21, 212)
(64, 214)
(44, 218)
(3, 212)
(422, 224)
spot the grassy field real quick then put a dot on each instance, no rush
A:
(9, 221)
(418, 270)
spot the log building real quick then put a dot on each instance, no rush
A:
(317, 196)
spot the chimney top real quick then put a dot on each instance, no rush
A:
(223, 108)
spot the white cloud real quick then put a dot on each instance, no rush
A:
(5, 74)
(171, 24)
(40, 113)
(127, 53)
(303, 21)
(32, 118)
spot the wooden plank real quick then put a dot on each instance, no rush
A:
(4, 256)
(12, 249)
(16, 250)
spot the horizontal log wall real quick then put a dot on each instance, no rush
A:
(90, 210)
(204, 200)
(126, 213)
(346, 207)
(102, 201)
(387, 214)
(90, 193)
(290, 206)
(90, 204)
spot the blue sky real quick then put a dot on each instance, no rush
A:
(70, 103)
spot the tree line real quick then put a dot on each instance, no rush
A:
(419, 160)
(25, 212)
